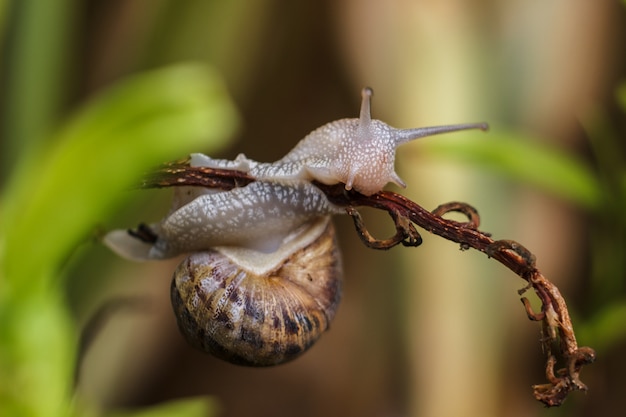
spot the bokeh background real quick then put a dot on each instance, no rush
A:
(430, 331)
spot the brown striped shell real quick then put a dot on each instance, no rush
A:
(260, 286)
(259, 319)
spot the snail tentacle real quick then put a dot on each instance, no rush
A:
(263, 277)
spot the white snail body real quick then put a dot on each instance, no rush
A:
(264, 276)
(359, 153)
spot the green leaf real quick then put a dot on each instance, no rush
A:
(190, 407)
(621, 96)
(59, 194)
(524, 159)
(606, 328)
(36, 356)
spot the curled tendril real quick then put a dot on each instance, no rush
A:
(558, 339)
(406, 233)
(473, 219)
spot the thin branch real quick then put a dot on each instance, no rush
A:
(179, 173)
(558, 338)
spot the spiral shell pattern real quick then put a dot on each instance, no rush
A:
(258, 320)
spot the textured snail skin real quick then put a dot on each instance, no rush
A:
(264, 276)
(258, 319)
(359, 153)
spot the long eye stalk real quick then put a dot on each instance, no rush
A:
(406, 135)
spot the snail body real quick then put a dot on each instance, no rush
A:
(263, 278)
(359, 153)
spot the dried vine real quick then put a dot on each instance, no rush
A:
(559, 340)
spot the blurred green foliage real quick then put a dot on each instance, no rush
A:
(200, 407)
(604, 328)
(600, 190)
(65, 174)
(527, 160)
(61, 189)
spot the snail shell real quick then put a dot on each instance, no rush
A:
(264, 276)
(227, 306)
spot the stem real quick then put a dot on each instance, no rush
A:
(559, 340)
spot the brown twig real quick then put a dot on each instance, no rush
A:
(179, 173)
(558, 339)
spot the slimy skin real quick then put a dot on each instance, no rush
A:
(263, 277)
(359, 153)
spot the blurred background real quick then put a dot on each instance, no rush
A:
(430, 331)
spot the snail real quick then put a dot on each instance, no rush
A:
(263, 278)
